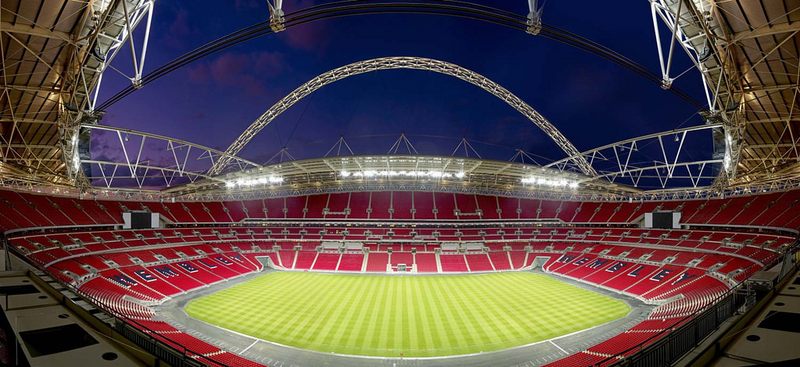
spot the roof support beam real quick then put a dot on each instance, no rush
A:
(34, 30)
(771, 120)
(33, 89)
(29, 121)
(767, 30)
(35, 54)
(29, 146)
(765, 88)
(773, 49)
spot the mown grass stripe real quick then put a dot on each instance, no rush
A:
(412, 316)
(499, 324)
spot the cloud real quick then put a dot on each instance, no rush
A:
(180, 25)
(306, 37)
(247, 4)
(105, 146)
(179, 30)
(245, 71)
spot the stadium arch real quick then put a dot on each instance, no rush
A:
(405, 62)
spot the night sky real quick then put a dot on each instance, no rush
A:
(591, 100)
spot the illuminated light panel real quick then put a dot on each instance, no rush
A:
(264, 180)
(401, 173)
(549, 182)
(726, 161)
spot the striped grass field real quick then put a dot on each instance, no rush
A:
(405, 316)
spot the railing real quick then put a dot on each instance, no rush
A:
(132, 330)
(669, 345)
(170, 355)
(174, 355)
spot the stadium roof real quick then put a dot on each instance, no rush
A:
(748, 51)
(54, 53)
(39, 45)
(761, 39)
(403, 172)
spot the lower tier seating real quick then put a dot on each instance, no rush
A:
(126, 271)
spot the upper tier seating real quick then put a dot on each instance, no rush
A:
(24, 210)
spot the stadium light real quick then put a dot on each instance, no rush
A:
(263, 180)
(549, 182)
(401, 173)
(76, 155)
(726, 160)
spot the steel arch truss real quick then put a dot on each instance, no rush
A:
(655, 161)
(143, 160)
(416, 63)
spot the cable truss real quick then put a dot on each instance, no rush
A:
(112, 30)
(191, 195)
(653, 160)
(694, 31)
(63, 47)
(146, 160)
(415, 63)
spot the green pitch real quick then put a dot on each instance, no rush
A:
(409, 316)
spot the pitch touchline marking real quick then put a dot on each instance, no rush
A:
(393, 358)
(408, 358)
(556, 345)
(249, 346)
(380, 357)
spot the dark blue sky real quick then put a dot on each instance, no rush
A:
(591, 100)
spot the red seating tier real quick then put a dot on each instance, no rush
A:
(479, 262)
(28, 210)
(326, 261)
(351, 262)
(453, 263)
(426, 262)
(377, 261)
